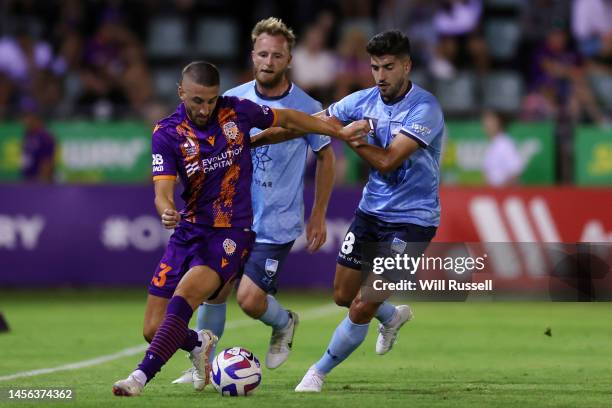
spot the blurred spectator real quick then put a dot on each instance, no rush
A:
(114, 74)
(38, 148)
(21, 57)
(48, 91)
(538, 17)
(26, 65)
(457, 17)
(460, 45)
(502, 164)
(415, 19)
(136, 78)
(6, 95)
(313, 66)
(100, 73)
(592, 27)
(353, 64)
(558, 81)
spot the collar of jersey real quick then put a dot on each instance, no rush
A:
(399, 98)
(272, 98)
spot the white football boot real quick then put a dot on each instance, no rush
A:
(387, 333)
(130, 387)
(281, 343)
(312, 381)
(186, 377)
(201, 360)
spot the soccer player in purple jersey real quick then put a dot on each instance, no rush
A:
(277, 194)
(206, 144)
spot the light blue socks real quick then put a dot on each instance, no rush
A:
(212, 317)
(385, 312)
(347, 337)
(275, 315)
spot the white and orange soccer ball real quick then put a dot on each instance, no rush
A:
(235, 372)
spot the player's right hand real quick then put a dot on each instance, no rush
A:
(170, 218)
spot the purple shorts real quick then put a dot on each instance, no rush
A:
(224, 250)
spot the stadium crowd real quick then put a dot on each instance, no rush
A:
(117, 59)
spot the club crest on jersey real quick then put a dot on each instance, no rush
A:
(398, 246)
(230, 130)
(229, 246)
(271, 267)
(190, 148)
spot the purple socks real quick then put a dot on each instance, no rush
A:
(172, 334)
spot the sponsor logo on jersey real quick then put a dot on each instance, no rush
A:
(229, 246)
(420, 129)
(271, 267)
(221, 160)
(158, 162)
(191, 168)
(190, 148)
(230, 130)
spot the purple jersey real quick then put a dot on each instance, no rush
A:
(213, 163)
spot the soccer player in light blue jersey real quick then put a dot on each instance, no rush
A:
(400, 202)
(277, 194)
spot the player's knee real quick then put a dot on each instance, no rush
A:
(342, 297)
(251, 304)
(362, 312)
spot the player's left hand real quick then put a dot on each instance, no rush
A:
(355, 130)
(316, 233)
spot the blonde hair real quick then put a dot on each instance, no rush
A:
(273, 26)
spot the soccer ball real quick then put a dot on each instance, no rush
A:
(235, 371)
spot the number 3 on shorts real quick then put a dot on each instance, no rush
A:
(347, 245)
(160, 280)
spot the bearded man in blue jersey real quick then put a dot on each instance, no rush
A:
(277, 194)
(400, 203)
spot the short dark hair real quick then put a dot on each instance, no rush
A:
(202, 73)
(391, 42)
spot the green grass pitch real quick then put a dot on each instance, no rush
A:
(450, 355)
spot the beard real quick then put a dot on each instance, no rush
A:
(269, 80)
(196, 119)
(392, 92)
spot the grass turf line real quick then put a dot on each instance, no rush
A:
(451, 355)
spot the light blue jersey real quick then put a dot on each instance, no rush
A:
(278, 170)
(409, 194)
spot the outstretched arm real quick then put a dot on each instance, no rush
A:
(277, 134)
(273, 135)
(300, 122)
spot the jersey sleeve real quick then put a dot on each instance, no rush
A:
(164, 157)
(346, 109)
(423, 123)
(259, 116)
